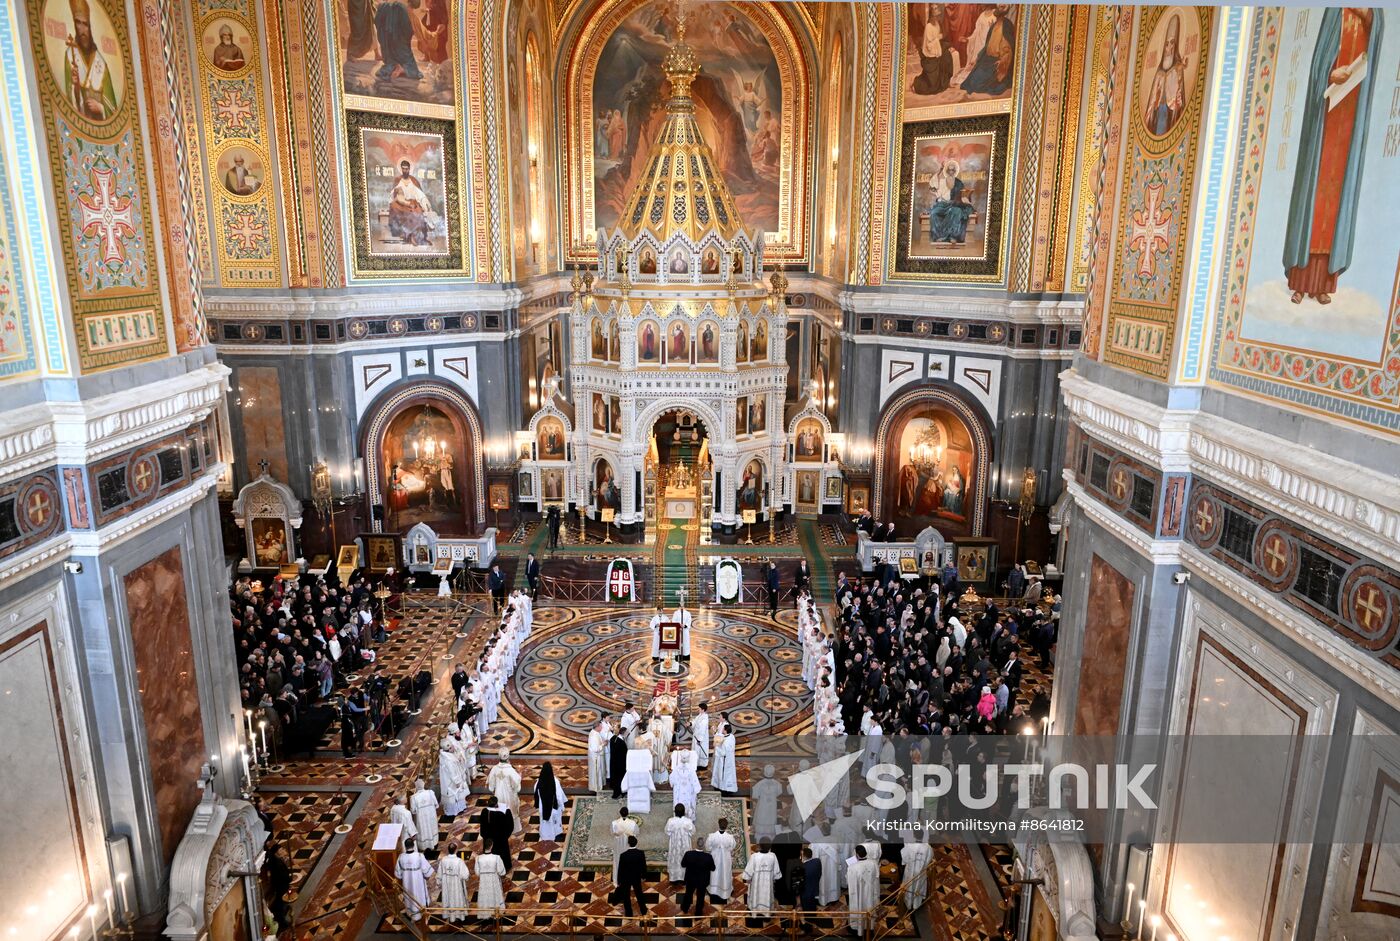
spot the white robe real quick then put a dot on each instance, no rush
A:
(552, 826)
(655, 626)
(401, 815)
(622, 828)
(413, 871)
(660, 749)
(723, 776)
(627, 726)
(863, 875)
(424, 805)
(452, 780)
(490, 894)
(765, 807)
(700, 739)
(453, 873)
(721, 848)
(830, 856)
(504, 782)
(916, 858)
(761, 872)
(685, 783)
(680, 837)
(598, 761)
(683, 616)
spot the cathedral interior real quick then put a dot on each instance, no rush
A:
(399, 391)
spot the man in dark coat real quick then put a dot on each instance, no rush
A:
(617, 764)
(698, 864)
(773, 584)
(631, 873)
(496, 824)
(532, 576)
(496, 581)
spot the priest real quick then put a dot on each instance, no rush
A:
(863, 888)
(424, 805)
(682, 617)
(700, 736)
(723, 776)
(504, 782)
(720, 846)
(598, 756)
(761, 872)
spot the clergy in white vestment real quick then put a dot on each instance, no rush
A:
(680, 834)
(401, 815)
(765, 794)
(724, 776)
(452, 777)
(549, 799)
(453, 873)
(700, 736)
(874, 741)
(624, 826)
(444, 587)
(424, 805)
(490, 893)
(627, 724)
(598, 756)
(639, 781)
(660, 745)
(830, 855)
(915, 857)
(685, 783)
(761, 872)
(863, 888)
(504, 782)
(720, 846)
(655, 626)
(413, 871)
(663, 710)
(470, 747)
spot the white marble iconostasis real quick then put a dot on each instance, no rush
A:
(53, 852)
(1233, 685)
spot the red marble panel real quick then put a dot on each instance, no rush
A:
(165, 677)
(1108, 627)
(264, 430)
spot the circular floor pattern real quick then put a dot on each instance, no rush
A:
(584, 663)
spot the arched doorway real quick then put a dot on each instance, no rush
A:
(933, 455)
(680, 436)
(422, 447)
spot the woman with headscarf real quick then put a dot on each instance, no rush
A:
(549, 798)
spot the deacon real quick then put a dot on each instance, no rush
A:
(453, 873)
(720, 846)
(598, 756)
(723, 777)
(401, 815)
(490, 893)
(504, 782)
(915, 857)
(700, 736)
(425, 814)
(863, 888)
(680, 833)
(413, 871)
(761, 872)
(623, 828)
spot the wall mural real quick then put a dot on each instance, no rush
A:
(398, 56)
(426, 464)
(606, 494)
(17, 354)
(929, 473)
(1164, 113)
(751, 105)
(236, 132)
(1311, 311)
(403, 174)
(87, 88)
(960, 59)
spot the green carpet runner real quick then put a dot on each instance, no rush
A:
(810, 538)
(675, 561)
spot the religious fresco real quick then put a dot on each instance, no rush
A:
(751, 488)
(707, 343)
(600, 412)
(425, 456)
(404, 194)
(1163, 118)
(952, 186)
(550, 440)
(606, 494)
(246, 235)
(1311, 311)
(931, 473)
(397, 55)
(17, 354)
(751, 106)
(960, 59)
(86, 84)
(269, 542)
(552, 485)
(758, 413)
(648, 344)
(807, 440)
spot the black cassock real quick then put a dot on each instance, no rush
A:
(496, 825)
(617, 763)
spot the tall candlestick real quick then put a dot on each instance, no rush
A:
(262, 726)
(128, 913)
(1156, 920)
(1128, 906)
(92, 919)
(253, 748)
(247, 774)
(107, 897)
(1142, 913)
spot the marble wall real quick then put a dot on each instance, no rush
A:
(1108, 630)
(167, 688)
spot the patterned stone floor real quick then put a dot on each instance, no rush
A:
(744, 661)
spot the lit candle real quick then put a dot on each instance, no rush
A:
(1128, 907)
(1142, 913)
(1156, 921)
(92, 919)
(247, 774)
(126, 902)
(107, 897)
(253, 747)
(262, 726)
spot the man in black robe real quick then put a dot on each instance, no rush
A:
(496, 824)
(617, 764)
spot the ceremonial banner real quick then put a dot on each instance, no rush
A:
(621, 585)
(728, 581)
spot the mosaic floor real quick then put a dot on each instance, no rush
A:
(578, 662)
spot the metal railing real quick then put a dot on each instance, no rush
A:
(585, 591)
(719, 922)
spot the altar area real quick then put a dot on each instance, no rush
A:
(681, 497)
